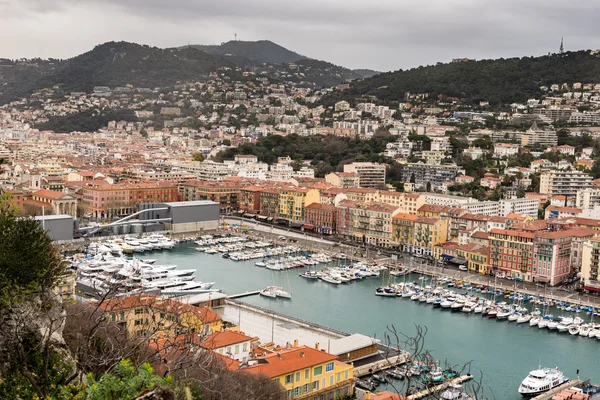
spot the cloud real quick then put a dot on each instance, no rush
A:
(380, 34)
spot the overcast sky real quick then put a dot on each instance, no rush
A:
(377, 34)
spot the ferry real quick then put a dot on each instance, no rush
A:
(541, 380)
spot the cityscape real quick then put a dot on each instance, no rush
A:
(240, 221)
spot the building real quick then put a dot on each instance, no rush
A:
(527, 207)
(150, 315)
(566, 183)
(579, 236)
(184, 216)
(306, 373)
(371, 175)
(428, 232)
(227, 194)
(293, 201)
(590, 265)
(231, 344)
(403, 228)
(511, 253)
(58, 203)
(372, 223)
(321, 216)
(505, 150)
(58, 227)
(446, 199)
(429, 177)
(343, 179)
(106, 200)
(587, 198)
(537, 136)
(551, 257)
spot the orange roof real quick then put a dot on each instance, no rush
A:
(481, 235)
(428, 221)
(565, 209)
(385, 396)
(406, 217)
(319, 206)
(287, 361)
(582, 232)
(510, 232)
(225, 338)
(205, 314)
(49, 194)
(431, 208)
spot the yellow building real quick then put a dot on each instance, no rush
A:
(150, 315)
(307, 373)
(65, 286)
(430, 211)
(293, 200)
(427, 233)
(403, 226)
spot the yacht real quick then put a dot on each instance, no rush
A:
(310, 274)
(584, 330)
(268, 292)
(387, 291)
(541, 380)
(524, 319)
(260, 264)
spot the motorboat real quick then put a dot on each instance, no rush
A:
(563, 324)
(514, 316)
(260, 264)
(387, 291)
(311, 275)
(584, 330)
(534, 321)
(503, 314)
(330, 279)
(447, 302)
(541, 380)
(574, 329)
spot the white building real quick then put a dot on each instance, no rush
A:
(587, 198)
(566, 183)
(505, 149)
(447, 200)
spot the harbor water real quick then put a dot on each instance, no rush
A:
(503, 351)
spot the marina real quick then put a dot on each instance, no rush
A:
(454, 336)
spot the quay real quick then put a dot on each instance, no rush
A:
(428, 392)
(332, 246)
(366, 354)
(548, 395)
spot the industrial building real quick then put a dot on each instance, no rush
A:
(184, 216)
(58, 227)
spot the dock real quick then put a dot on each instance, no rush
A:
(245, 294)
(548, 395)
(435, 389)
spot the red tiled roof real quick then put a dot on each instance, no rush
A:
(225, 338)
(286, 361)
(49, 194)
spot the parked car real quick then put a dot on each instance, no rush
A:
(462, 268)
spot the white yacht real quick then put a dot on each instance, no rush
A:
(541, 380)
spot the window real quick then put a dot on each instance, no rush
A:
(315, 385)
(229, 349)
(306, 388)
(237, 349)
(137, 322)
(297, 376)
(138, 311)
(331, 380)
(289, 378)
(318, 371)
(245, 347)
(297, 391)
(346, 374)
(329, 367)
(306, 373)
(337, 377)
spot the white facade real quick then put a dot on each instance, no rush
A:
(587, 198)
(447, 200)
(505, 149)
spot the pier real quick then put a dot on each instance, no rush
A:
(548, 395)
(245, 294)
(435, 389)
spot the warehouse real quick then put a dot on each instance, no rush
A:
(185, 216)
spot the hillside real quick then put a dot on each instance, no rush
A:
(258, 52)
(109, 64)
(322, 73)
(366, 73)
(497, 81)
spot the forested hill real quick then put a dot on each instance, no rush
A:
(261, 51)
(109, 64)
(497, 81)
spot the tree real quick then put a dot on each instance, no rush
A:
(428, 186)
(226, 142)
(126, 382)
(198, 157)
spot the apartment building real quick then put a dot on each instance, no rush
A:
(372, 223)
(343, 179)
(435, 175)
(511, 253)
(505, 149)
(293, 200)
(447, 200)
(306, 373)
(227, 194)
(526, 207)
(587, 198)
(103, 199)
(402, 230)
(566, 183)
(590, 265)
(371, 175)
(427, 233)
(150, 315)
(551, 257)
(321, 216)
